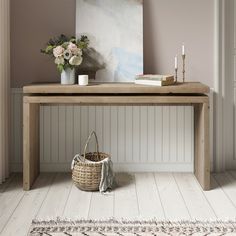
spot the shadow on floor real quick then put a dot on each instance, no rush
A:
(123, 180)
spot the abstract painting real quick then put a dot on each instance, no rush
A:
(115, 30)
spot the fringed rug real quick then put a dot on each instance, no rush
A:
(131, 228)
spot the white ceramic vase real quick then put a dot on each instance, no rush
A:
(68, 76)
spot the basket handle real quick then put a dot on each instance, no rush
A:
(87, 142)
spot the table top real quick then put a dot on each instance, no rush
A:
(116, 88)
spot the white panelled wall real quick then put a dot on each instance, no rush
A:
(139, 138)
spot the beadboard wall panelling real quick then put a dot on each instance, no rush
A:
(16, 129)
(139, 138)
(229, 119)
(233, 74)
(233, 161)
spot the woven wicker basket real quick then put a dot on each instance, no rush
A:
(87, 176)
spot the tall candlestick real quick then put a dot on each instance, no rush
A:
(176, 69)
(176, 75)
(183, 56)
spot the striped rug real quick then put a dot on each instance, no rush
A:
(131, 228)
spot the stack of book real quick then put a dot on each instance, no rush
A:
(156, 80)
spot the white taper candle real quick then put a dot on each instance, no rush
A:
(183, 49)
(176, 62)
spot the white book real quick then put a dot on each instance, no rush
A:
(154, 82)
(155, 77)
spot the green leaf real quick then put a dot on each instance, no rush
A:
(49, 49)
(65, 45)
(73, 39)
(60, 67)
(83, 42)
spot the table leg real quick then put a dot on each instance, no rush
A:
(201, 145)
(31, 162)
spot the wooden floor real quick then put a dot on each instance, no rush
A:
(138, 196)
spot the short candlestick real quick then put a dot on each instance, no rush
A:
(183, 56)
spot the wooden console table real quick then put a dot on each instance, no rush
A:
(194, 94)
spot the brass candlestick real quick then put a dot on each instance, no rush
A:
(183, 56)
(176, 75)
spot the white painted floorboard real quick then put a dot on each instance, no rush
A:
(219, 201)
(27, 208)
(137, 196)
(78, 204)
(10, 199)
(149, 202)
(193, 197)
(55, 202)
(125, 197)
(228, 185)
(171, 198)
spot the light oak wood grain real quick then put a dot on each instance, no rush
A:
(115, 88)
(30, 144)
(201, 139)
(117, 94)
(116, 100)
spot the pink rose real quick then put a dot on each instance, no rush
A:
(58, 51)
(74, 49)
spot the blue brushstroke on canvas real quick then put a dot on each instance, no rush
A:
(129, 64)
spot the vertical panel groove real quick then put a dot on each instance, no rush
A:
(177, 130)
(154, 133)
(50, 118)
(73, 132)
(58, 134)
(169, 159)
(184, 135)
(102, 137)
(162, 134)
(125, 138)
(110, 129)
(80, 139)
(132, 131)
(65, 133)
(117, 145)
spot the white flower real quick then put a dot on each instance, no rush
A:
(76, 60)
(74, 49)
(60, 61)
(78, 52)
(58, 51)
(67, 54)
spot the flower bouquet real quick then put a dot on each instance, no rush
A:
(68, 54)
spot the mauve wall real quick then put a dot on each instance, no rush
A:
(167, 23)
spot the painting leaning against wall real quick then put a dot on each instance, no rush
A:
(115, 30)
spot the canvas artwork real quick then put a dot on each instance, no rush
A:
(115, 30)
